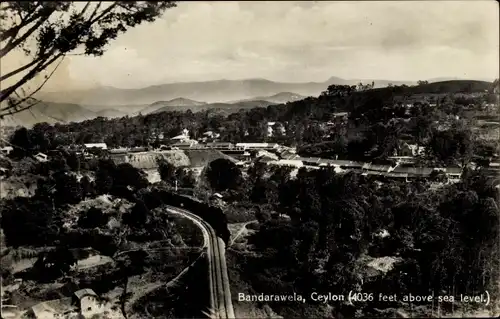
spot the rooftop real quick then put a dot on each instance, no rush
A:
(84, 292)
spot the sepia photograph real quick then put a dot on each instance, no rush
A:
(249, 159)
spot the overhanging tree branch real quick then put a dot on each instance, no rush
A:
(4, 94)
(56, 37)
(30, 96)
(14, 43)
(23, 68)
(13, 31)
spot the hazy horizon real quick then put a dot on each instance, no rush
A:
(296, 42)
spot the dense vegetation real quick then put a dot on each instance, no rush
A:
(378, 124)
(447, 238)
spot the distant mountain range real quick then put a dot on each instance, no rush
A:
(52, 112)
(182, 104)
(114, 102)
(209, 91)
(279, 98)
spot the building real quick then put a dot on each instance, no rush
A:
(179, 138)
(87, 302)
(402, 159)
(41, 157)
(217, 196)
(339, 117)
(270, 128)
(453, 172)
(254, 146)
(101, 146)
(119, 151)
(139, 149)
(60, 308)
(184, 144)
(182, 137)
(265, 156)
(376, 168)
(6, 150)
(293, 163)
(220, 145)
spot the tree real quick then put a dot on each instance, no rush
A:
(87, 187)
(28, 221)
(104, 176)
(21, 143)
(222, 174)
(94, 217)
(185, 177)
(55, 263)
(58, 29)
(67, 189)
(138, 215)
(73, 161)
(166, 170)
(127, 175)
(339, 90)
(256, 171)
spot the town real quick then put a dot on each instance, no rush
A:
(249, 160)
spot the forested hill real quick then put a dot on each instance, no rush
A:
(344, 98)
(444, 87)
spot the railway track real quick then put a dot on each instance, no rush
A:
(221, 305)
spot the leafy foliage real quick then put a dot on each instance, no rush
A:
(28, 221)
(223, 174)
(57, 29)
(94, 217)
(443, 236)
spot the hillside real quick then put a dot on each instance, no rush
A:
(225, 107)
(51, 113)
(282, 97)
(177, 104)
(452, 87)
(192, 158)
(111, 113)
(210, 91)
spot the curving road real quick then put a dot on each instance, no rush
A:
(221, 305)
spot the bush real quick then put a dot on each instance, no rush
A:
(92, 218)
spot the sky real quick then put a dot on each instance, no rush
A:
(298, 42)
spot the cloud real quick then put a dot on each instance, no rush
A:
(302, 41)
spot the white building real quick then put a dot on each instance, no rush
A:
(249, 146)
(186, 143)
(293, 163)
(41, 157)
(88, 302)
(6, 150)
(180, 138)
(102, 146)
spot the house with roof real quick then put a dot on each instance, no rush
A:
(101, 146)
(84, 302)
(187, 143)
(292, 163)
(6, 150)
(180, 138)
(341, 115)
(220, 145)
(59, 308)
(87, 302)
(250, 146)
(41, 157)
(265, 156)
